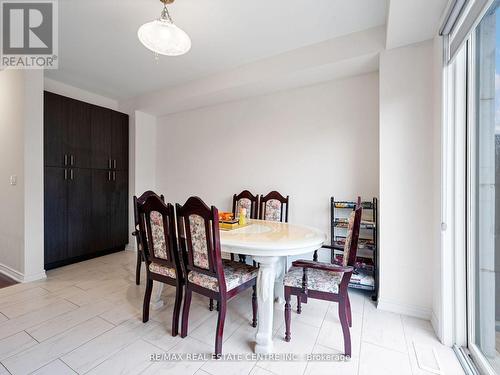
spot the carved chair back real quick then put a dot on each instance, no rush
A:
(199, 239)
(352, 237)
(157, 228)
(274, 207)
(137, 201)
(246, 200)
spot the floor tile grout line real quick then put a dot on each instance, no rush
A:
(361, 336)
(6, 369)
(38, 341)
(317, 336)
(407, 344)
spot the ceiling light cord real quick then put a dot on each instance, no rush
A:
(165, 15)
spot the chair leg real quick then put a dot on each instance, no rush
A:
(348, 310)
(185, 313)
(211, 305)
(254, 306)
(243, 258)
(218, 306)
(177, 310)
(138, 268)
(220, 328)
(299, 305)
(315, 256)
(147, 300)
(288, 314)
(345, 326)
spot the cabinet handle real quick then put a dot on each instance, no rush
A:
(65, 174)
(114, 163)
(72, 160)
(114, 176)
(109, 163)
(65, 159)
(109, 176)
(71, 174)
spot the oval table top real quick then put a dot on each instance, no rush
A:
(271, 238)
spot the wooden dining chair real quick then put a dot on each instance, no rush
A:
(157, 229)
(135, 233)
(309, 279)
(274, 207)
(246, 200)
(333, 247)
(205, 270)
(250, 202)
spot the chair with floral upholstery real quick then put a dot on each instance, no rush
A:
(250, 203)
(205, 271)
(135, 233)
(274, 207)
(326, 281)
(159, 240)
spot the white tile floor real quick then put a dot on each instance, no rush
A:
(86, 318)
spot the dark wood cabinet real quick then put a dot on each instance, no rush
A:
(110, 132)
(56, 214)
(119, 143)
(67, 135)
(79, 212)
(86, 180)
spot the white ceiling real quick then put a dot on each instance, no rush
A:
(99, 50)
(412, 21)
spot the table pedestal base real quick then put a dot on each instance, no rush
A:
(265, 298)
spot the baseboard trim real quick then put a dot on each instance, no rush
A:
(11, 273)
(19, 276)
(437, 327)
(399, 308)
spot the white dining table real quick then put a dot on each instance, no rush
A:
(268, 243)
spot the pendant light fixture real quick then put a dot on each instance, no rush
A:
(162, 37)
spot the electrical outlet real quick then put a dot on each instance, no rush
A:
(13, 180)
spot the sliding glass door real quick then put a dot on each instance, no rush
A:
(483, 252)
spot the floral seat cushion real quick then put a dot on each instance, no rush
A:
(162, 270)
(235, 274)
(323, 281)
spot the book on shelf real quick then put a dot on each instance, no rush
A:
(360, 264)
(361, 278)
(341, 222)
(352, 205)
(363, 243)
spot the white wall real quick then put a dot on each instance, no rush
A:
(21, 154)
(309, 143)
(33, 177)
(142, 160)
(407, 180)
(12, 163)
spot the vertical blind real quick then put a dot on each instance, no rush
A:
(461, 18)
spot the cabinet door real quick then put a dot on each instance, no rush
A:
(119, 209)
(54, 130)
(55, 214)
(79, 133)
(102, 194)
(101, 124)
(79, 212)
(119, 146)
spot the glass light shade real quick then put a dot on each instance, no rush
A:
(164, 38)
